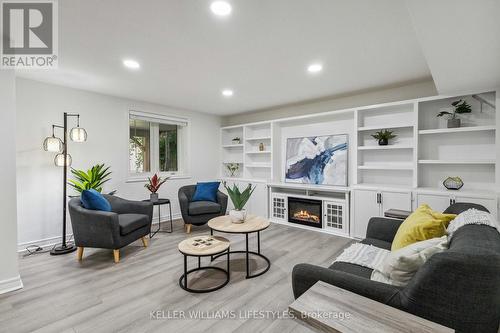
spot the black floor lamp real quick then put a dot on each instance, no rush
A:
(63, 159)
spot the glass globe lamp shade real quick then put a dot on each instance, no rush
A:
(53, 144)
(78, 134)
(59, 160)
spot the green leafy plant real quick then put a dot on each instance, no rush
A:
(384, 135)
(232, 168)
(460, 106)
(239, 198)
(93, 178)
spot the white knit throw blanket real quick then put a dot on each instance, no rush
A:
(363, 255)
(472, 216)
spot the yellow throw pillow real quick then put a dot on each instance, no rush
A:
(424, 223)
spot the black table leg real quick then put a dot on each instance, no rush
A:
(258, 242)
(185, 272)
(199, 262)
(171, 224)
(246, 254)
(159, 224)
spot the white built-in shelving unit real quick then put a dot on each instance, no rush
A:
(405, 173)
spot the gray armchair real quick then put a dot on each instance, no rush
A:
(127, 222)
(457, 288)
(199, 212)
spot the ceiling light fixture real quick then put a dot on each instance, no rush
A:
(132, 64)
(227, 93)
(315, 68)
(221, 8)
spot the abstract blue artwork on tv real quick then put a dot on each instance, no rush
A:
(318, 160)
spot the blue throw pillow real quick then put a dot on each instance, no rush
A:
(206, 191)
(91, 199)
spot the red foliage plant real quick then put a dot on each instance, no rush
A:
(154, 183)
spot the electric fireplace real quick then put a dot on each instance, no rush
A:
(305, 211)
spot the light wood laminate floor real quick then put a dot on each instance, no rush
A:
(97, 295)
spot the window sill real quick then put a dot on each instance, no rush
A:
(143, 179)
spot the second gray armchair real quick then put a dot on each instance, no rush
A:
(199, 212)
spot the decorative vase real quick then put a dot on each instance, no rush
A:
(153, 197)
(237, 216)
(453, 183)
(236, 141)
(453, 123)
(383, 142)
(261, 146)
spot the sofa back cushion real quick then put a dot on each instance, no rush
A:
(424, 223)
(91, 199)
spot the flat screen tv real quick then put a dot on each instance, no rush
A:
(320, 160)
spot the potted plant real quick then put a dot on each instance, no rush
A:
(460, 107)
(383, 137)
(153, 186)
(93, 178)
(236, 140)
(232, 168)
(239, 199)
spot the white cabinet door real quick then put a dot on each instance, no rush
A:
(335, 217)
(279, 207)
(395, 200)
(258, 200)
(438, 202)
(490, 204)
(365, 207)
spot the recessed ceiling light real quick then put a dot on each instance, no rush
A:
(227, 93)
(129, 63)
(221, 8)
(315, 68)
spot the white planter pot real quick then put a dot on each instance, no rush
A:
(237, 216)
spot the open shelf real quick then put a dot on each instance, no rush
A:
(259, 138)
(233, 146)
(388, 147)
(387, 166)
(258, 152)
(381, 127)
(456, 161)
(458, 130)
(258, 165)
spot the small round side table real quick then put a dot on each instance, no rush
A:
(203, 246)
(159, 203)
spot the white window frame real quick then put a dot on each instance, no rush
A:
(183, 135)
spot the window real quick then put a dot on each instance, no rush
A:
(156, 143)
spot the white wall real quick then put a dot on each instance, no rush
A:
(369, 97)
(106, 120)
(9, 272)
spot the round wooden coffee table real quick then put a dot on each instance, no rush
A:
(252, 224)
(203, 246)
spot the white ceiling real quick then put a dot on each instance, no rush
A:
(261, 51)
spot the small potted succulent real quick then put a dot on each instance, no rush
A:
(383, 137)
(236, 140)
(239, 200)
(460, 107)
(153, 185)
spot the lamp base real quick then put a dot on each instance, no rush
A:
(62, 250)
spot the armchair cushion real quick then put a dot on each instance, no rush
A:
(93, 200)
(206, 191)
(132, 222)
(203, 207)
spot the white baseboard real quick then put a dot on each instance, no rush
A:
(49, 242)
(11, 284)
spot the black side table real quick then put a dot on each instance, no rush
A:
(159, 203)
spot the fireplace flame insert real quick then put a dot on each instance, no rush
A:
(305, 211)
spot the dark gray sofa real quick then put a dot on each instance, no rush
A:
(199, 212)
(127, 222)
(458, 288)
